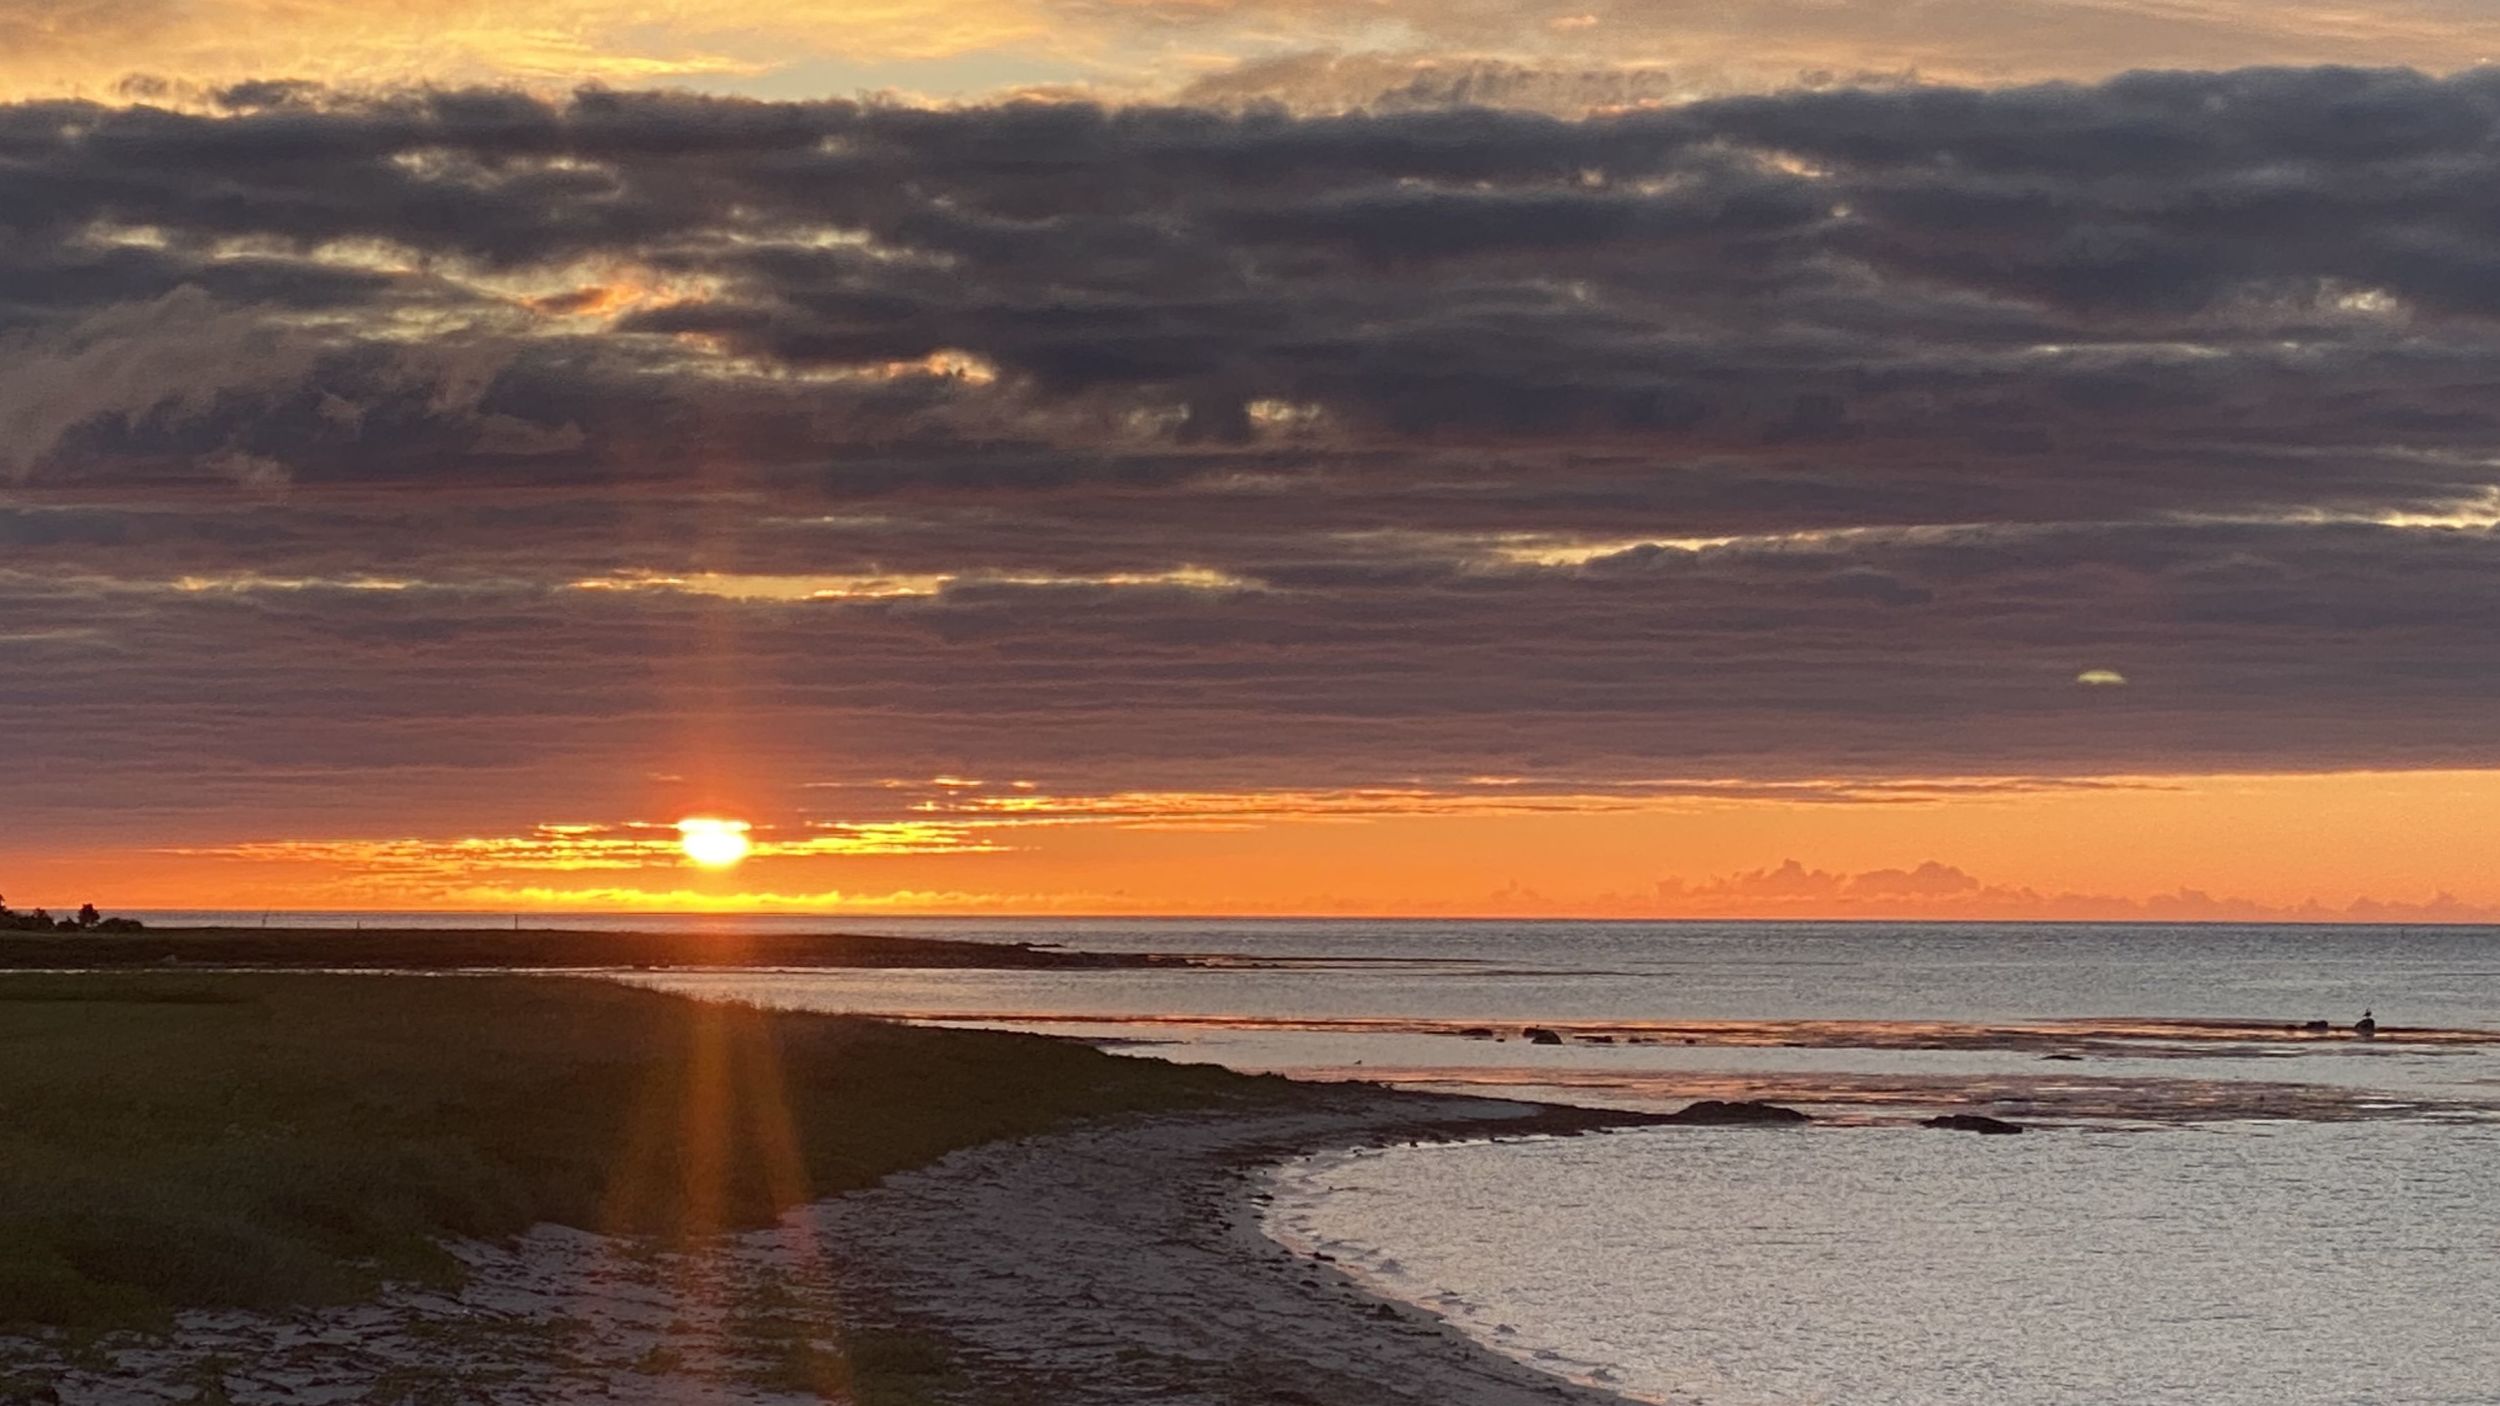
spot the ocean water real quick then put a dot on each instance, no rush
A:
(1865, 1021)
(2215, 1203)
(2280, 1262)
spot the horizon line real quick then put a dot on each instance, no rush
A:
(1611, 919)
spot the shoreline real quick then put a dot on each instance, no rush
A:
(1136, 1268)
(1117, 1261)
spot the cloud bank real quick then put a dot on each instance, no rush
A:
(428, 452)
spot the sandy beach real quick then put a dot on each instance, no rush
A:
(1114, 1262)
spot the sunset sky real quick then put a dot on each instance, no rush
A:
(1987, 458)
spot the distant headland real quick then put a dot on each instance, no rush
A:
(121, 943)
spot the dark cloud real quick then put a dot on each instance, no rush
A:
(436, 435)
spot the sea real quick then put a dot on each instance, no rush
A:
(2224, 1192)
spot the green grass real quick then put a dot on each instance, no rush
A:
(257, 1141)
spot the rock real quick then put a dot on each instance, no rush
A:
(1972, 1123)
(2067, 1057)
(1475, 1032)
(2317, 1025)
(1597, 1039)
(1715, 1113)
(1539, 1035)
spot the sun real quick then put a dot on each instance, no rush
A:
(713, 843)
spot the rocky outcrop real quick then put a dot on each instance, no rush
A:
(1972, 1123)
(1539, 1035)
(1738, 1113)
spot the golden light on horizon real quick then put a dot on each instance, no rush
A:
(713, 843)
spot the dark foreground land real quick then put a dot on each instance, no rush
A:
(440, 949)
(255, 1141)
(269, 1188)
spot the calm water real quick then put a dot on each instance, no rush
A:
(2287, 1262)
(2214, 1205)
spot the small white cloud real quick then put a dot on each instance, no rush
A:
(2101, 678)
(256, 473)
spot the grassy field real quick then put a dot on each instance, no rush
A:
(172, 1140)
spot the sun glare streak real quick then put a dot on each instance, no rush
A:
(712, 1146)
(713, 843)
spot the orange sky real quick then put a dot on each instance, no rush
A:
(1296, 50)
(2257, 846)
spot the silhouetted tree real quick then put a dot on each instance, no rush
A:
(87, 919)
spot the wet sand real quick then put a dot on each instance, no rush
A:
(1116, 1262)
(1124, 1263)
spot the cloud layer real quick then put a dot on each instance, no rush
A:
(428, 453)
